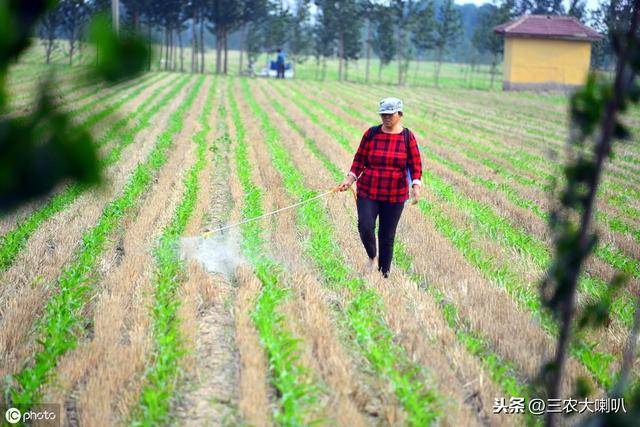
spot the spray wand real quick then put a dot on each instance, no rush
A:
(277, 211)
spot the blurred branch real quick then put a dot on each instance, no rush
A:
(594, 107)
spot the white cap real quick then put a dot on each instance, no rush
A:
(390, 106)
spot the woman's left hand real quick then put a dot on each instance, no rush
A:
(416, 194)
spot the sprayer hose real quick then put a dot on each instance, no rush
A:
(277, 211)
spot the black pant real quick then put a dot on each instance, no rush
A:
(280, 71)
(368, 211)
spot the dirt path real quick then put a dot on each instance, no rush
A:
(207, 312)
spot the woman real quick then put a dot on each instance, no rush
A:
(385, 155)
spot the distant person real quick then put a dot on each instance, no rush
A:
(386, 154)
(280, 64)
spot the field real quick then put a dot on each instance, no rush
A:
(452, 75)
(100, 314)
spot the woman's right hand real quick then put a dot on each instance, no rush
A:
(348, 181)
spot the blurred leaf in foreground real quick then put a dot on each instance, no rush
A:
(45, 147)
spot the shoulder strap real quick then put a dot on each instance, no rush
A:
(405, 133)
(373, 130)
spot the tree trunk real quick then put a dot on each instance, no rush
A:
(171, 50)
(175, 50)
(201, 44)
(368, 51)
(181, 52)
(72, 45)
(340, 55)
(193, 41)
(48, 50)
(346, 70)
(493, 69)
(400, 54)
(218, 51)
(166, 48)
(379, 70)
(438, 64)
(324, 67)
(226, 53)
(243, 36)
(149, 47)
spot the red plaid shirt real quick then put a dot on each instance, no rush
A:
(384, 160)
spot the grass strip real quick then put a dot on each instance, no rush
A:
(63, 320)
(597, 363)
(14, 241)
(477, 150)
(97, 117)
(365, 312)
(297, 393)
(162, 375)
(517, 238)
(501, 371)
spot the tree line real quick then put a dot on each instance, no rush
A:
(347, 30)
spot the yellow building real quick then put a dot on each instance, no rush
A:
(545, 52)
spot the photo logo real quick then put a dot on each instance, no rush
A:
(12, 415)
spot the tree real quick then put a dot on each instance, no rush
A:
(577, 9)
(339, 29)
(609, 18)
(301, 33)
(448, 31)
(348, 35)
(368, 10)
(277, 25)
(403, 11)
(324, 39)
(75, 14)
(48, 31)
(423, 37)
(484, 39)
(253, 15)
(254, 42)
(135, 9)
(225, 16)
(384, 42)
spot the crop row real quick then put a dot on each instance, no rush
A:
(476, 150)
(14, 241)
(464, 127)
(501, 371)
(64, 318)
(550, 128)
(365, 310)
(298, 394)
(163, 372)
(598, 363)
(612, 256)
(529, 155)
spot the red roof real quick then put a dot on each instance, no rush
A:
(548, 26)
